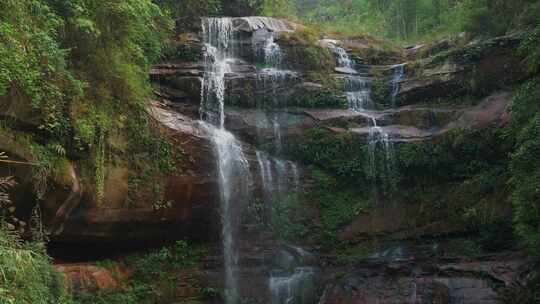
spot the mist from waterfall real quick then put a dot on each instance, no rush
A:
(233, 168)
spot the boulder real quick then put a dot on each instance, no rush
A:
(252, 24)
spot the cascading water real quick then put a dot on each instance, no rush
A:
(399, 73)
(293, 280)
(233, 168)
(358, 93)
(344, 61)
(377, 135)
(297, 288)
(272, 52)
(278, 177)
(357, 88)
(270, 80)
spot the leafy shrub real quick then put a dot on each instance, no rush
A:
(530, 49)
(27, 274)
(289, 219)
(525, 165)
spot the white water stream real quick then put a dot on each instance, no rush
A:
(232, 166)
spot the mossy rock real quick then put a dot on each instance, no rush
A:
(185, 48)
(303, 52)
(312, 95)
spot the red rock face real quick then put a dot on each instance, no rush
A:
(89, 278)
(187, 208)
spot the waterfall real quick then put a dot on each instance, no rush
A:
(270, 81)
(377, 135)
(358, 92)
(218, 35)
(342, 57)
(232, 166)
(293, 280)
(357, 88)
(272, 52)
(278, 177)
(297, 288)
(399, 73)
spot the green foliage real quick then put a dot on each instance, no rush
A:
(303, 51)
(82, 67)
(211, 293)
(289, 219)
(530, 48)
(157, 275)
(277, 8)
(521, 292)
(187, 12)
(338, 205)
(380, 90)
(34, 72)
(27, 274)
(463, 247)
(51, 162)
(6, 183)
(192, 8)
(461, 178)
(341, 154)
(155, 263)
(407, 20)
(328, 93)
(351, 255)
(323, 98)
(525, 165)
(181, 51)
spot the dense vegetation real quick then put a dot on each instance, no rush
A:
(27, 275)
(411, 19)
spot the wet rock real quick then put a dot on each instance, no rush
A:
(413, 282)
(464, 71)
(252, 24)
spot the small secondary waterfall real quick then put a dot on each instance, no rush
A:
(358, 93)
(297, 288)
(344, 61)
(233, 168)
(272, 52)
(271, 80)
(399, 73)
(278, 177)
(377, 135)
(293, 280)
